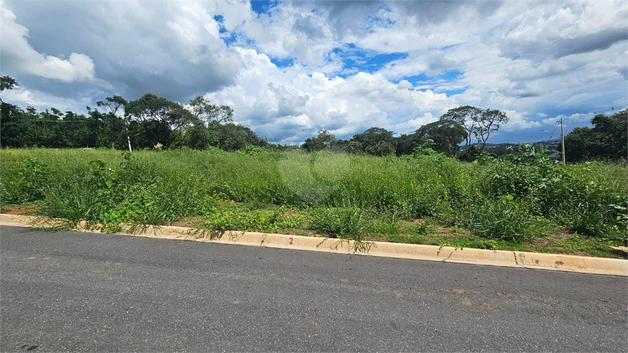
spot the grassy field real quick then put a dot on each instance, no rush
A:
(521, 202)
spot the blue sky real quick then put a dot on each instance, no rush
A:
(292, 68)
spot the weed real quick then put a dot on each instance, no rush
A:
(340, 222)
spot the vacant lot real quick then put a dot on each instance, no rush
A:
(520, 202)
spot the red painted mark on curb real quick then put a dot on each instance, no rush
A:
(291, 240)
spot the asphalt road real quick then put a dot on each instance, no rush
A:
(72, 291)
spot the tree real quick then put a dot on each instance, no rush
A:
(577, 144)
(7, 82)
(486, 123)
(17, 126)
(198, 136)
(446, 134)
(150, 107)
(113, 103)
(608, 139)
(157, 118)
(466, 116)
(203, 110)
(233, 137)
(382, 149)
(406, 143)
(376, 141)
(324, 140)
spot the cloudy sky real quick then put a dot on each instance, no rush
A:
(291, 68)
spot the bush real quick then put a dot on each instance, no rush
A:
(340, 222)
(29, 184)
(505, 219)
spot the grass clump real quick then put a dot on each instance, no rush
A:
(340, 222)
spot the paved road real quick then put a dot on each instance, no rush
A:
(71, 291)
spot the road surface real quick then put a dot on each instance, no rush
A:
(72, 291)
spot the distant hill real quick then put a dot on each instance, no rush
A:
(500, 148)
(551, 146)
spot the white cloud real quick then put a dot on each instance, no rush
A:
(288, 105)
(42, 101)
(18, 56)
(529, 59)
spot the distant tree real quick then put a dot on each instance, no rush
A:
(578, 145)
(157, 117)
(354, 147)
(467, 116)
(608, 139)
(18, 128)
(382, 148)
(7, 82)
(324, 140)
(150, 107)
(233, 137)
(113, 104)
(203, 110)
(485, 124)
(446, 135)
(198, 136)
(406, 143)
(376, 141)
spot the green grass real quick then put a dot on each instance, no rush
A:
(436, 200)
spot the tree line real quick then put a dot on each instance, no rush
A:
(148, 122)
(156, 122)
(445, 135)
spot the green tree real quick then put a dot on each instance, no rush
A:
(467, 116)
(157, 118)
(153, 108)
(113, 104)
(18, 128)
(232, 137)
(486, 123)
(324, 140)
(607, 139)
(376, 141)
(406, 143)
(446, 134)
(203, 110)
(7, 82)
(198, 136)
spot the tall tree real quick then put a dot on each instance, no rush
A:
(324, 140)
(467, 116)
(202, 109)
(7, 82)
(113, 104)
(149, 107)
(485, 124)
(607, 139)
(446, 134)
(376, 141)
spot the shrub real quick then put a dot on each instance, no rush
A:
(29, 184)
(505, 219)
(340, 222)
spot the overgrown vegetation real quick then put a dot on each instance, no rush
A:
(427, 197)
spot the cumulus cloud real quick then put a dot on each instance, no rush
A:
(172, 49)
(18, 56)
(302, 66)
(288, 106)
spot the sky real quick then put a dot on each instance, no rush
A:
(292, 68)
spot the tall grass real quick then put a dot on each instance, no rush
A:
(498, 199)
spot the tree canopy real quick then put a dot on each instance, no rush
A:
(446, 134)
(607, 139)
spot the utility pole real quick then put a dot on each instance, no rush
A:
(128, 139)
(562, 139)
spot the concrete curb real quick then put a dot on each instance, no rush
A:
(582, 264)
